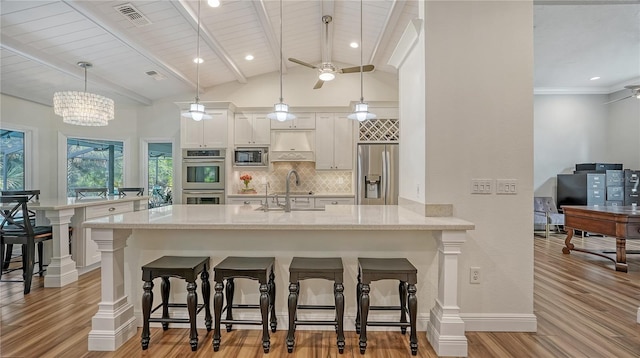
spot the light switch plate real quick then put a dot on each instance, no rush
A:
(481, 186)
(507, 186)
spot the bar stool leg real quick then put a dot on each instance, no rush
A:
(165, 288)
(272, 302)
(206, 296)
(264, 310)
(147, 301)
(217, 312)
(358, 294)
(294, 288)
(40, 260)
(402, 289)
(230, 291)
(364, 313)
(192, 303)
(338, 290)
(413, 312)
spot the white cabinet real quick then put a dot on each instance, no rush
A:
(245, 201)
(334, 141)
(207, 133)
(252, 128)
(302, 202)
(302, 121)
(322, 202)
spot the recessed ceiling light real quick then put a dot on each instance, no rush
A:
(213, 3)
(594, 78)
(198, 60)
(354, 45)
(248, 57)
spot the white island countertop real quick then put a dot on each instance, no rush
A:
(246, 217)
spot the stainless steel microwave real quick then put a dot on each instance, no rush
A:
(251, 157)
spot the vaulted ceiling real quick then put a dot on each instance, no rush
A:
(152, 57)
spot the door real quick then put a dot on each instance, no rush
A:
(370, 174)
(391, 183)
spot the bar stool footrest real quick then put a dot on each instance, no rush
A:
(316, 323)
(316, 307)
(199, 307)
(241, 321)
(384, 308)
(388, 324)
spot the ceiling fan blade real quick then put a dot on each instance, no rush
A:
(318, 84)
(619, 99)
(365, 68)
(302, 63)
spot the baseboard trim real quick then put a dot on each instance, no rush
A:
(499, 322)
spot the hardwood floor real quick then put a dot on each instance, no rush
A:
(584, 309)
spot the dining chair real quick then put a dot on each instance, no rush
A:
(15, 230)
(33, 196)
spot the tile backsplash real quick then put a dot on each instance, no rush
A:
(334, 182)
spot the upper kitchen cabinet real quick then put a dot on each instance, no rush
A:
(302, 121)
(252, 129)
(334, 141)
(207, 133)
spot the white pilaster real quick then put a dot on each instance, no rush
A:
(62, 269)
(445, 330)
(115, 322)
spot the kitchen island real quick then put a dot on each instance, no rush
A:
(128, 241)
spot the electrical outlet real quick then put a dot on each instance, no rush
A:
(474, 275)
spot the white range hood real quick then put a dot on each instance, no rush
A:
(292, 146)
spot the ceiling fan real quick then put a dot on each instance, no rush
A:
(327, 70)
(635, 92)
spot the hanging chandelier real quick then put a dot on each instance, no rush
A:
(196, 109)
(281, 110)
(83, 108)
(361, 112)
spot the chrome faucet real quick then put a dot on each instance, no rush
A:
(287, 199)
(265, 207)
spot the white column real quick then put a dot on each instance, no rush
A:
(445, 330)
(62, 269)
(115, 322)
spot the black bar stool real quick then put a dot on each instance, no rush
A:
(186, 268)
(255, 268)
(374, 269)
(303, 268)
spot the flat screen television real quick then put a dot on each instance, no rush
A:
(571, 190)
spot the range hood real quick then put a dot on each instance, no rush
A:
(292, 146)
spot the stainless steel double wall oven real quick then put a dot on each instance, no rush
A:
(203, 176)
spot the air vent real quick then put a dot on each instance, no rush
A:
(132, 14)
(156, 75)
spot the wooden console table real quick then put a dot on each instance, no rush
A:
(621, 222)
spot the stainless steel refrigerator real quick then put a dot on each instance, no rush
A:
(377, 174)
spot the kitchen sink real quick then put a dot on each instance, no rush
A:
(282, 193)
(292, 209)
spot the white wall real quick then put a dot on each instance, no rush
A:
(49, 125)
(623, 135)
(479, 124)
(568, 129)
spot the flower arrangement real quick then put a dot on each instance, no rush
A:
(246, 178)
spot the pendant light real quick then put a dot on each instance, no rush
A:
(83, 108)
(281, 110)
(361, 111)
(196, 109)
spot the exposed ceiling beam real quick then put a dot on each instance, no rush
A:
(85, 10)
(192, 17)
(28, 96)
(390, 23)
(267, 28)
(68, 69)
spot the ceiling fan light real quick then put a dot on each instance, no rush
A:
(326, 76)
(213, 3)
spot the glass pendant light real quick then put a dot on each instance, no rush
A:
(196, 109)
(281, 110)
(361, 111)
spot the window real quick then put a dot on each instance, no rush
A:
(12, 166)
(160, 169)
(93, 163)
